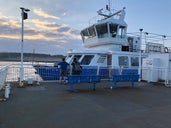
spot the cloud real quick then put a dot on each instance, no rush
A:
(10, 29)
(9, 22)
(45, 25)
(39, 30)
(45, 36)
(40, 12)
(64, 29)
(52, 29)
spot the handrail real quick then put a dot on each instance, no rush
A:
(3, 75)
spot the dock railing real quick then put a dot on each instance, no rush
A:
(11, 73)
(3, 74)
(157, 74)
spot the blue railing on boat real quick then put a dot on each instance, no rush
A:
(53, 73)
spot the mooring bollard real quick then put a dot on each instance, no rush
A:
(7, 90)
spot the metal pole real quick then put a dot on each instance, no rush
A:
(146, 42)
(163, 37)
(140, 56)
(23, 17)
(22, 35)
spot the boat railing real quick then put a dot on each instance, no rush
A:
(152, 42)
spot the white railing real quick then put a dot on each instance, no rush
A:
(161, 75)
(13, 73)
(3, 74)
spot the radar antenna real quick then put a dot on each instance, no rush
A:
(108, 6)
(120, 13)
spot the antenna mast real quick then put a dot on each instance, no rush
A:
(108, 6)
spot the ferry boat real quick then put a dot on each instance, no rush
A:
(108, 48)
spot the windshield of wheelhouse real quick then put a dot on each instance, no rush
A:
(102, 30)
(113, 30)
(88, 33)
(122, 32)
(84, 34)
(91, 31)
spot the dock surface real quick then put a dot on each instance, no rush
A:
(52, 105)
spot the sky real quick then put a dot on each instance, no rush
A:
(53, 26)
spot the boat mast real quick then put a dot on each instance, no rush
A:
(108, 6)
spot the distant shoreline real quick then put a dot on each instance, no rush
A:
(30, 57)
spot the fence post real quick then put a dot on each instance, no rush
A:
(166, 77)
(121, 70)
(148, 74)
(70, 71)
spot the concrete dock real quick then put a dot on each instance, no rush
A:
(52, 105)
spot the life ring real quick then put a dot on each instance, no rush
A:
(166, 50)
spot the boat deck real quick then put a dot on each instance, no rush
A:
(52, 105)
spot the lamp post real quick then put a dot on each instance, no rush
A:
(23, 17)
(140, 56)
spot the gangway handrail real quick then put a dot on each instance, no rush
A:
(3, 75)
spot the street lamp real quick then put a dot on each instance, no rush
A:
(23, 17)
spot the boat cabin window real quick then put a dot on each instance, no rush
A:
(85, 34)
(134, 61)
(88, 33)
(123, 61)
(102, 31)
(77, 56)
(87, 59)
(92, 32)
(68, 58)
(122, 31)
(113, 30)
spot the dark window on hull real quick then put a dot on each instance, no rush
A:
(77, 57)
(123, 61)
(134, 61)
